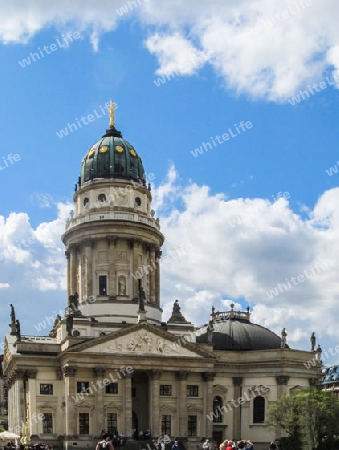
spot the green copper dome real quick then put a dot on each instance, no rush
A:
(112, 157)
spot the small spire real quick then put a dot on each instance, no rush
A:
(111, 114)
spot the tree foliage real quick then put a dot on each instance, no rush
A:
(309, 418)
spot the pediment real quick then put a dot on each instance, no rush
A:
(142, 339)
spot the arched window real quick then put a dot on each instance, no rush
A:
(102, 197)
(217, 413)
(259, 410)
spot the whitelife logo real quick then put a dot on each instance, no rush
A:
(48, 49)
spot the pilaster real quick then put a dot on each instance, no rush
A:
(237, 383)
(182, 407)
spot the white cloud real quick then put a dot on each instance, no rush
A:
(260, 48)
(4, 286)
(242, 249)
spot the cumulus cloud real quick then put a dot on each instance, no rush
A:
(252, 251)
(4, 286)
(260, 48)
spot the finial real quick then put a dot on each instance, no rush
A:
(232, 306)
(111, 114)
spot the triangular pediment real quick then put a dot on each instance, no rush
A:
(142, 339)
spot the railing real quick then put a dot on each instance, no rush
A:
(130, 217)
(219, 316)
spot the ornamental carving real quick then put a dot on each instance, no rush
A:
(145, 342)
(237, 381)
(69, 371)
(282, 379)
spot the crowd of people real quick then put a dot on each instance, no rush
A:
(230, 445)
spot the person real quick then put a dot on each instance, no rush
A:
(223, 445)
(105, 443)
(229, 445)
(249, 445)
(273, 446)
(206, 445)
(175, 446)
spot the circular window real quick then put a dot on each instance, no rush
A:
(137, 201)
(102, 197)
(86, 201)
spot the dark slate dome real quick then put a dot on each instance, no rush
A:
(234, 331)
(112, 157)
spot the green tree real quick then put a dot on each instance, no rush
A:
(309, 418)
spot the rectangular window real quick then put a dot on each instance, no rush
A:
(112, 388)
(166, 425)
(46, 389)
(83, 387)
(165, 389)
(47, 423)
(192, 390)
(192, 426)
(83, 423)
(112, 422)
(102, 285)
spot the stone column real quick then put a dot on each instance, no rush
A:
(154, 405)
(35, 427)
(237, 383)
(113, 291)
(99, 421)
(67, 254)
(73, 286)
(127, 430)
(208, 404)
(134, 243)
(152, 273)
(157, 278)
(70, 406)
(88, 243)
(182, 377)
(282, 382)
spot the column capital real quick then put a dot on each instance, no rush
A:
(72, 247)
(313, 381)
(154, 374)
(67, 254)
(237, 381)
(31, 373)
(282, 379)
(88, 242)
(158, 254)
(134, 242)
(69, 371)
(208, 376)
(99, 371)
(182, 375)
(112, 239)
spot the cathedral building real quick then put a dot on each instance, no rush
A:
(111, 362)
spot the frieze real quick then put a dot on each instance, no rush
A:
(144, 342)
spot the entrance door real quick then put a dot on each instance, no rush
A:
(140, 401)
(218, 437)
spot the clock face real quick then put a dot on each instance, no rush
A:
(119, 149)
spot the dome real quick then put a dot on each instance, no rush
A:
(112, 157)
(234, 331)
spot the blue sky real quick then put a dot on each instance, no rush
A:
(221, 64)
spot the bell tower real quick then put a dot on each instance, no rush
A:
(113, 241)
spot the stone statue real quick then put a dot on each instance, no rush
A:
(18, 332)
(176, 307)
(69, 325)
(122, 287)
(12, 314)
(142, 298)
(76, 300)
(319, 352)
(283, 338)
(313, 342)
